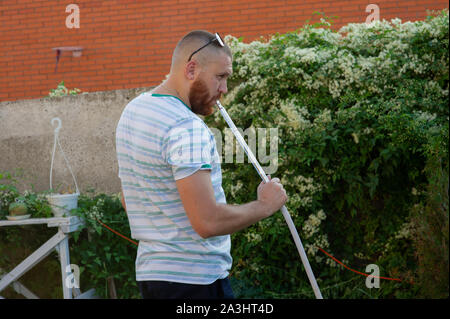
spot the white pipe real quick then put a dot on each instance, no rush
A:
(284, 210)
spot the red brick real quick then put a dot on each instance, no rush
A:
(123, 39)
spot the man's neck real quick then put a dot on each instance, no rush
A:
(169, 88)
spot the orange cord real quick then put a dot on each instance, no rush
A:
(117, 233)
(355, 271)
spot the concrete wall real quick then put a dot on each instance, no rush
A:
(87, 137)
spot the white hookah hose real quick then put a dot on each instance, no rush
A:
(284, 210)
(56, 141)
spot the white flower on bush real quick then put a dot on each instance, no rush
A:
(355, 137)
(296, 115)
(306, 185)
(253, 238)
(6, 197)
(304, 55)
(95, 211)
(424, 116)
(323, 119)
(235, 188)
(319, 241)
(312, 224)
(404, 231)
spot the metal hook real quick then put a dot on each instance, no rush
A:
(56, 119)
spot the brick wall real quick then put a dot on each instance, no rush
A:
(128, 44)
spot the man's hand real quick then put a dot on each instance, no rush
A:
(272, 195)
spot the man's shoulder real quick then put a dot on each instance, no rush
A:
(169, 111)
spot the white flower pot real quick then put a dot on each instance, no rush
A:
(62, 203)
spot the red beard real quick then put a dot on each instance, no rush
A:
(200, 100)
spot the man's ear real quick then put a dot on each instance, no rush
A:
(189, 70)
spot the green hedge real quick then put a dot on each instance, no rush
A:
(362, 117)
(357, 112)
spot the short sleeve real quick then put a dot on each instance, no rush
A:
(187, 148)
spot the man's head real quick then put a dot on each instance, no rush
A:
(204, 76)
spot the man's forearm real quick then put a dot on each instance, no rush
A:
(232, 218)
(209, 218)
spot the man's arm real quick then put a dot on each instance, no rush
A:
(209, 218)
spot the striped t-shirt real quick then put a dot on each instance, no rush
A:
(160, 140)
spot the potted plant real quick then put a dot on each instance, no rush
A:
(18, 210)
(16, 205)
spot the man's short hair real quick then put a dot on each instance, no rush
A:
(193, 41)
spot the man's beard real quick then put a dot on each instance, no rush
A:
(201, 102)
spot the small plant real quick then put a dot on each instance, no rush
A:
(18, 208)
(11, 200)
(63, 190)
(8, 194)
(61, 90)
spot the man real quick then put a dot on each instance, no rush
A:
(171, 178)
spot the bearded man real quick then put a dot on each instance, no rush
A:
(171, 178)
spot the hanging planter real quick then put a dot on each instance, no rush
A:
(61, 203)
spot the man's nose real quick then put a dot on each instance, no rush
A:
(223, 88)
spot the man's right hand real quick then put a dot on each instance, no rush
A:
(272, 195)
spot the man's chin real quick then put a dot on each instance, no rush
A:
(209, 110)
(204, 111)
